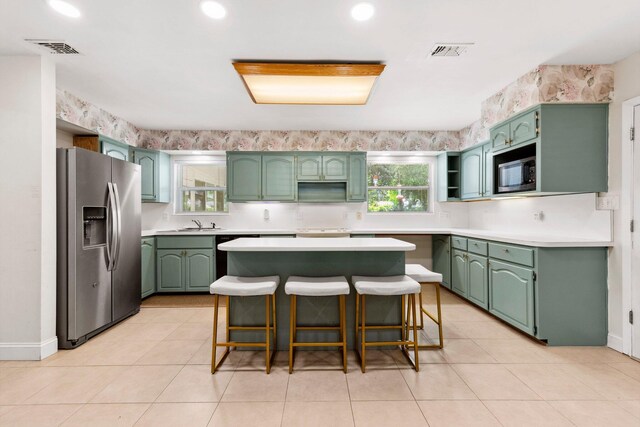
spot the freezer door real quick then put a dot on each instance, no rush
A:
(127, 288)
(89, 281)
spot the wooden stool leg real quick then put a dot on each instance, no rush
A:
(439, 315)
(292, 328)
(405, 318)
(357, 322)
(343, 331)
(364, 334)
(215, 334)
(228, 317)
(415, 332)
(267, 329)
(275, 327)
(421, 312)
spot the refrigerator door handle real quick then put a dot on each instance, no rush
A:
(111, 229)
(116, 256)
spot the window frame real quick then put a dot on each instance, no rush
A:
(178, 163)
(406, 159)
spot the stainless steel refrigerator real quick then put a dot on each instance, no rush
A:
(98, 277)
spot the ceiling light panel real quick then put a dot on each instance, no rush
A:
(316, 84)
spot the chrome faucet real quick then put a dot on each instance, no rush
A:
(198, 223)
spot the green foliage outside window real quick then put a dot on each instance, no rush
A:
(398, 187)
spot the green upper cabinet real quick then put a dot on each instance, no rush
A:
(441, 253)
(155, 174)
(334, 167)
(148, 262)
(322, 167)
(569, 143)
(448, 181)
(472, 178)
(278, 180)
(244, 177)
(357, 183)
(113, 148)
(290, 177)
(487, 170)
(511, 294)
(521, 128)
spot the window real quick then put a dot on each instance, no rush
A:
(399, 184)
(201, 187)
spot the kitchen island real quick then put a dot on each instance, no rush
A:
(315, 257)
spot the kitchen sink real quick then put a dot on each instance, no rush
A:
(192, 230)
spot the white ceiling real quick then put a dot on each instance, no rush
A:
(162, 64)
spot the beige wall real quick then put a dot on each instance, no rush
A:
(627, 85)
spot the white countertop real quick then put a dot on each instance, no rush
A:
(326, 244)
(537, 240)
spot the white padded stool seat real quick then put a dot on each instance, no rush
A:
(316, 286)
(422, 274)
(239, 286)
(385, 285)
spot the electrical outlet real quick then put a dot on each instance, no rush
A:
(265, 214)
(165, 216)
(299, 216)
(444, 214)
(358, 216)
(538, 216)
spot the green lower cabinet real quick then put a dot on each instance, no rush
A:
(459, 276)
(198, 270)
(148, 262)
(441, 253)
(511, 294)
(170, 270)
(478, 291)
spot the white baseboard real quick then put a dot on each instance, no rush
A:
(615, 342)
(28, 350)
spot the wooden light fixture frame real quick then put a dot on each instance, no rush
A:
(306, 69)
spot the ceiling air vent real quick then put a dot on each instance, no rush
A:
(450, 49)
(55, 47)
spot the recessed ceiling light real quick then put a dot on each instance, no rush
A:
(312, 84)
(213, 9)
(64, 8)
(362, 11)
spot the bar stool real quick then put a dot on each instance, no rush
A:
(387, 286)
(238, 286)
(317, 287)
(425, 276)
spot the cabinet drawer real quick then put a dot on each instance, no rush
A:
(184, 242)
(477, 247)
(459, 242)
(511, 253)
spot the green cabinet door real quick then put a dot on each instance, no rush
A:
(155, 174)
(357, 183)
(459, 272)
(244, 177)
(148, 262)
(334, 167)
(170, 270)
(500, 136)
(113, 148)
(487, 170)
(309, 168)
(478, 291)
(199, 269)
(441, 253)
(278, 180)
(472, 179)
(511, 294)
(524, 128)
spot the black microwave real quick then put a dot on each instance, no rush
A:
(517, 175)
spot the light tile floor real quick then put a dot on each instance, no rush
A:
(153, 370)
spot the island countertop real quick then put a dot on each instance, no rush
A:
(325, 244)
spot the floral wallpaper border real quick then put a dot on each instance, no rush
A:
(546, 83)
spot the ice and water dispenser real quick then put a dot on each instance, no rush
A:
(94, 225)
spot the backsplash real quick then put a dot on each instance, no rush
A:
(546, 83)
